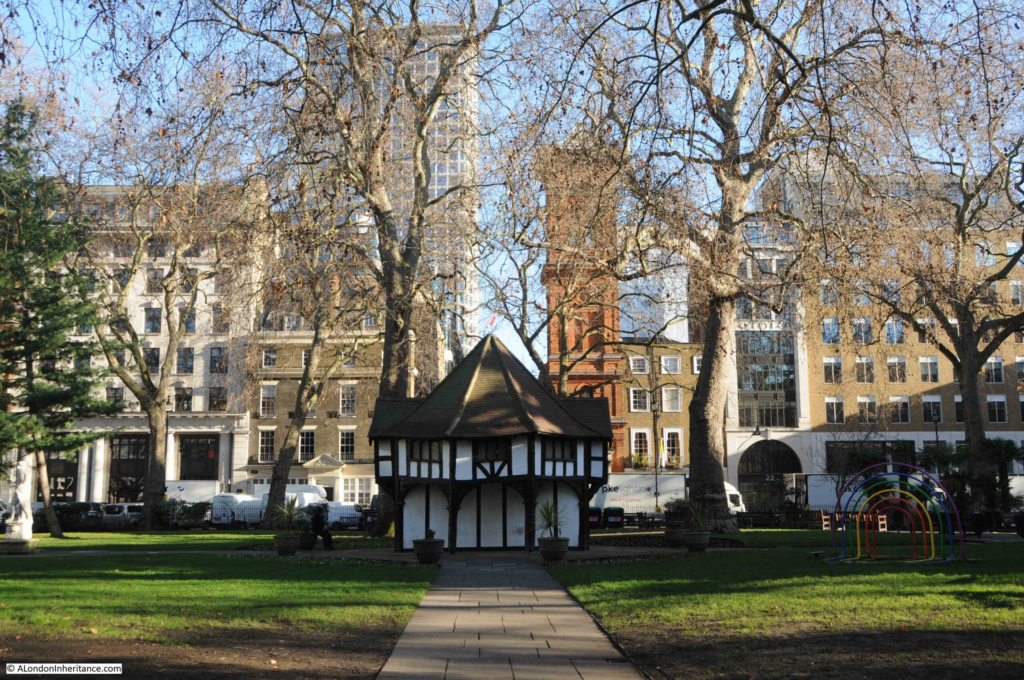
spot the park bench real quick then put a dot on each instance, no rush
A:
(755, 520)
(805, 519)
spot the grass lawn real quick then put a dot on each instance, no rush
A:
(191, 540)
(208, 615)
(780, 613)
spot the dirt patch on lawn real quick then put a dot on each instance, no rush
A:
(239, 654)
(895, 655)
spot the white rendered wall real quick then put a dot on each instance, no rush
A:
(520, 455)
(568, 507)
(415, 514)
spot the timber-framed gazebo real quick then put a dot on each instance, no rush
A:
(472, 459)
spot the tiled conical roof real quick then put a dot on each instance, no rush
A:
(490, 394)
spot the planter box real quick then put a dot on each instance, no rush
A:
(553, 549)
(287, 545)
(696, 541)
(428, 550)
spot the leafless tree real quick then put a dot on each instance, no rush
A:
(163, 234)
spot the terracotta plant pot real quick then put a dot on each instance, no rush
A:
(287, 544)
(307, 540)
(696, 541)
(428, 550)
(676, 538)
(553, 549)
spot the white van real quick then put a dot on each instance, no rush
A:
(735, 499)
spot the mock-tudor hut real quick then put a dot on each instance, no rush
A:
(473, 459)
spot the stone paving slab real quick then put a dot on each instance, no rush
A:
(506, 620)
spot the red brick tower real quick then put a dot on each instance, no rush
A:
(580, 188)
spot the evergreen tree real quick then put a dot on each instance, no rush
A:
(46, 381)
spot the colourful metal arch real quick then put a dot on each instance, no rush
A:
(920, 496)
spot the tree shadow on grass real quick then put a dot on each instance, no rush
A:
(880, 655)
(283, 652)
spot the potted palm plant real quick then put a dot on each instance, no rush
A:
(696, 537)
(553, 547)
(287, 518)
(428, 550)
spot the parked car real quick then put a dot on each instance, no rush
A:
(122, 515)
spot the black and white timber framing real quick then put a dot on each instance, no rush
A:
(473, 459)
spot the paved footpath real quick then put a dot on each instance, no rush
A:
(508, 620)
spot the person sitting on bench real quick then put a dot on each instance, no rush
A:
(320, 527)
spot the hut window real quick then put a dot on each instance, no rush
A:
(558, 449)
(425, 452)
(491, 450)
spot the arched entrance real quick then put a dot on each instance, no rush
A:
(766, 475)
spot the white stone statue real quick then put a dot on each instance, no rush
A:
(19, 525)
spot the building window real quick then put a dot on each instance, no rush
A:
(829, 293)
(894, 334)
(958, 408)
(671, 399)
(1020, 370)
(306, 354)
(186, 360)
(867, 409)
(1017, 292)
(266, 446)
(865, 367)
(863, 333)
(673, 448)
(984, 256)
(154, 319)
(698, 359)
(190, 321)
(899, 409)
(830, 331)
(347, 406)
(220, 320)
(638, 365)
(182, 398)
(861, 295)
(307, 445)
(291, 322)
(996, 409)
(834, 414)
(156, 247)
(891, 292)
(930, 369)
(115, 394)
(928, 330)
(370, 322)
(356, 490)
(932, 410)
(218, 360)
(422, 451)
(559, 449)
(671, 365)
(151, 357)
(347, 445)
(641, 448)
(154, 281)
(218, 399)
(83, 362)
(897, 369)
(833, 370)
(994, 370)
(269, 358)
(638, 400)
(268, 400)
